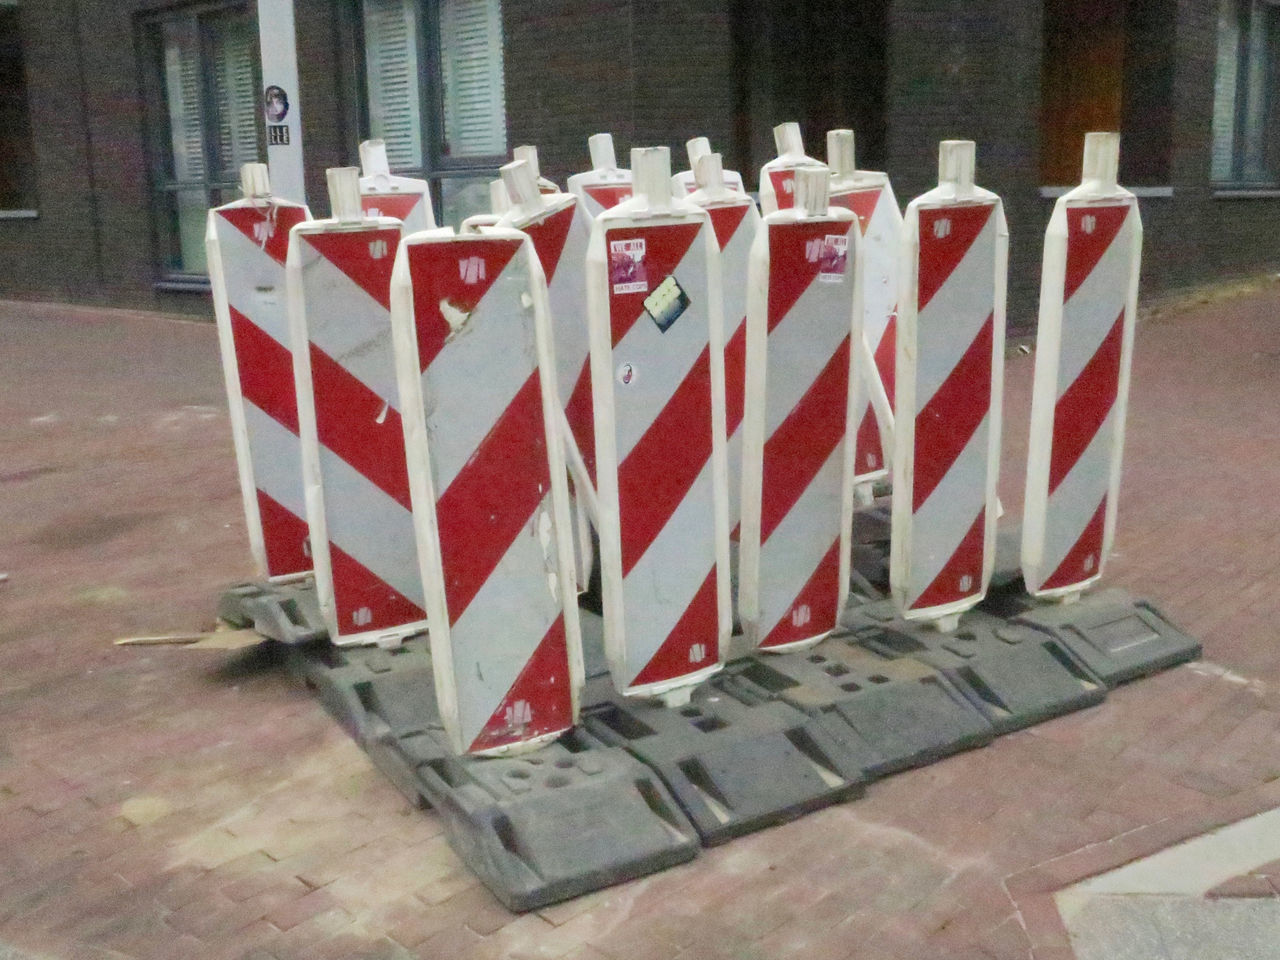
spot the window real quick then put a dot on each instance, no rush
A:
(202, 86)
(17, 158)
(434, 85)
(1246, 94)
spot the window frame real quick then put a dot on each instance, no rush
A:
(1237, 185)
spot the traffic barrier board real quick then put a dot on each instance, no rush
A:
(686, 181)
(778, 176)
(382, 194)
(605, 185)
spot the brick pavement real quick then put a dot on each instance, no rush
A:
(162, 803)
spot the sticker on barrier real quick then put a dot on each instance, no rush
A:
(358, 504)
(735, 220)
(686, 181)
(949, 376)
(803, 317)
(605, 185)
(657, 371)
(1084, 349)
(868, 194)
(778, 176)
(382, 194)
(491, 508)
(247, 242)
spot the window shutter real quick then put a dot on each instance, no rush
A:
(1224, 91)
(182, 90)
(391, 58)
(236, 96)
(475, 116)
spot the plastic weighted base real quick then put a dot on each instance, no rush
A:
(287, 612)
(541, 827)
(732, 767)
(1014, 674)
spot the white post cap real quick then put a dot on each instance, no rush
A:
(651, 175)
(708, 173)
(1101, 158)
(602, 155)
(813, 189)
(255, 180)
(499, 199)
(697, 148)
(786, 137)
(522, 185)
(955, 163)
(840, 156)
(529, 154)
(344, 193)
(373, 158)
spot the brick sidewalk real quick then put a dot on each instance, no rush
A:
(165, 803)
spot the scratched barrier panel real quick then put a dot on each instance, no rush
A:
(657, 375)
(868, 194)
(686, 181)
(605, 185)
(778, 176)
(569, 818)
(358, 505)
(735, 220)
(489, 488)
(949, 378)
(382, 194)
(804, 313)
(247, 241)
(1084, 349)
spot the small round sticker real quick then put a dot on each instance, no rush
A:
(626, 374)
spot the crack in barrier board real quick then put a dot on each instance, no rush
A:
(733, 767)
(537, 828)
(896, 713)
(287, 612)
(1015, 674)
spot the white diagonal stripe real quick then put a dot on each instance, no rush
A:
(277, 460)
(880, 268)
(567, 294)
(733, 264)
(255, 282)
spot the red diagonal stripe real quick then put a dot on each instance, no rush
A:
(861, 202)
(549, 235)
(948, 420)
(946, 234)
(271, 224)
(356, 588)
(459, 273)
(1084, 557)
(285, 537)
(608, 196)
(359, 426)
(578, 412)
(365, 257)
(699, 624)
(725, 220)
(658, 472)
(870, 456)
(1084, 405)
(398, 205)
(814, 609)
(665, 247)
(784, 186)
(966, 561)
(803, 442)
(543, 687)
(492, 498)
(735, 375)
(886, 357)
(266, 371)
(791, 271)
(1085, 248)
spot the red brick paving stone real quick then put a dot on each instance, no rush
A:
(452, 942)
(1042, 921)
(302, 908)
(1242, 886)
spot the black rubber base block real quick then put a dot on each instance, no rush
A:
(287, 612)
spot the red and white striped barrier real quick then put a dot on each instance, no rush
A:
(778, 176)
(358, 505)
(1084, 348)
(868, 194)
(950, 373)
(491, 509)
(605, 185)
(247, 241)
(735, 220)
(529, 154)
(686, 181)
(383, 194)
(804, 316)
(657, 374)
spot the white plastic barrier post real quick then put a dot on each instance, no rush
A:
(358, 506)
(778, 176)
(529, 154)
(735, 220)
(686, 181)
(1084, 348)
(247, 241)
(605, 185)
(560, 230)
(657, 374)
(950, 374)
(491, 509)
(804, 316)
(382, 194)
(868, 194)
